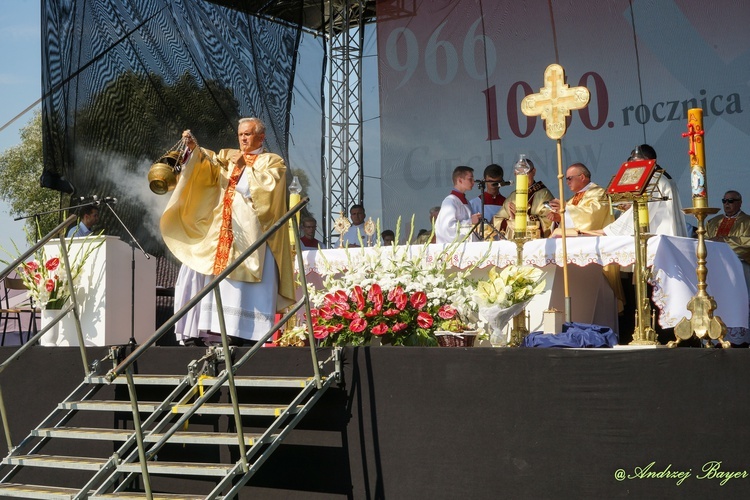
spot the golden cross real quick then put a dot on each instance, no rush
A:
(555, 101)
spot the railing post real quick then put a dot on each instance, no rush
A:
(230, 380)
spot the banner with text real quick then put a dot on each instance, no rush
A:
(453, 73)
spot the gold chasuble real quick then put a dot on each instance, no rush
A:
(589, 209)
(208, 222)
(735, 231)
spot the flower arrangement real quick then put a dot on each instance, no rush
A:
(512, 285)
(504, 294)
(399, 294)
(46, 279)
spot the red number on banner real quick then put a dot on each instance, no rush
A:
(513, 107)
(493, 133)
(602, 102)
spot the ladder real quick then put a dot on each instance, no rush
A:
(195, 394)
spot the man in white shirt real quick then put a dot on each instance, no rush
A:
(456, 219)
(357, 229)
(89, 218)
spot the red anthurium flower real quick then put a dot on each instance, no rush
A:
(339, 309)
(340, 296)
(358, 324)
(320, 332)
(358, 297)
(447, 312)
(325, 312)
(398, 297)
(375, 295)
(418, 300)
(49, 285)
(380, 329)
(398, 327)
(37, 278)
(336, 328)
(350, 315)
(390, 312)
(424, 320)
(52, 264)
(31, 267)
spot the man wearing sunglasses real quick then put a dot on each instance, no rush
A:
(733, 227)
(588, 209)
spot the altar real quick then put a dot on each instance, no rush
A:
(672, 260)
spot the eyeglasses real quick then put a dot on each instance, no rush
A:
(570, 178)
(730, 200)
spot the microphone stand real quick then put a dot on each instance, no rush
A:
(133, 243)
(481, 185)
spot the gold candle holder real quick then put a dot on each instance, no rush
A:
(644, 333)
(702, 323)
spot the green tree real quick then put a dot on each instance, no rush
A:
(20, 169)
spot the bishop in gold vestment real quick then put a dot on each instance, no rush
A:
(221, 205)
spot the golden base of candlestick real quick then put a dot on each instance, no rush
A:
(702, 323)
(519, 330)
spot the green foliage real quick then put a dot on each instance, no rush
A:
(20, 169)
(145, 116)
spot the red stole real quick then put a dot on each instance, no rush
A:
(577, 198)
(309, 242)
(493, 200)
(226, 236)
(726, 226)
(460, 196)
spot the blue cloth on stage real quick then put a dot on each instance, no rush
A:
(573, 335)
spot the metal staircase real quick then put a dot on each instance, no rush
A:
(158, 411)
(120, 475)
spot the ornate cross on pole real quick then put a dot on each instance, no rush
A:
(553, 103)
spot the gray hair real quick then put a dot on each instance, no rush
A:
(260, 127)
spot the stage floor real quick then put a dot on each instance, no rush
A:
(480, 422)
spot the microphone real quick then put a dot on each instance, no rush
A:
(493, 183)
(91, 199)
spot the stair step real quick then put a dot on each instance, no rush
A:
(183, 468)
(57, 462)
(134, 495)
(239, 381)
(181, 437)
(16, 490)
(151, 406)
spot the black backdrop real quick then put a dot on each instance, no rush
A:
(474, 423)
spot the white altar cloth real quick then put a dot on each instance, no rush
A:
(672, 259)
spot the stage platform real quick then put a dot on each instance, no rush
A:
(476, 423)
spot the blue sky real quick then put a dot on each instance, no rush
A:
(20, 85)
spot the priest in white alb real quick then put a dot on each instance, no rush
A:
(221, 205)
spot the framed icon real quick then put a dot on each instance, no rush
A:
(633, 177)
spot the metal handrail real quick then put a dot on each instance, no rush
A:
(57, 231)
(125, 366)
(138, 352)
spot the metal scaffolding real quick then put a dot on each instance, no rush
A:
(343, 162)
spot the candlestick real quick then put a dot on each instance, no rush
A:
(521, 170)
(294, 197)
